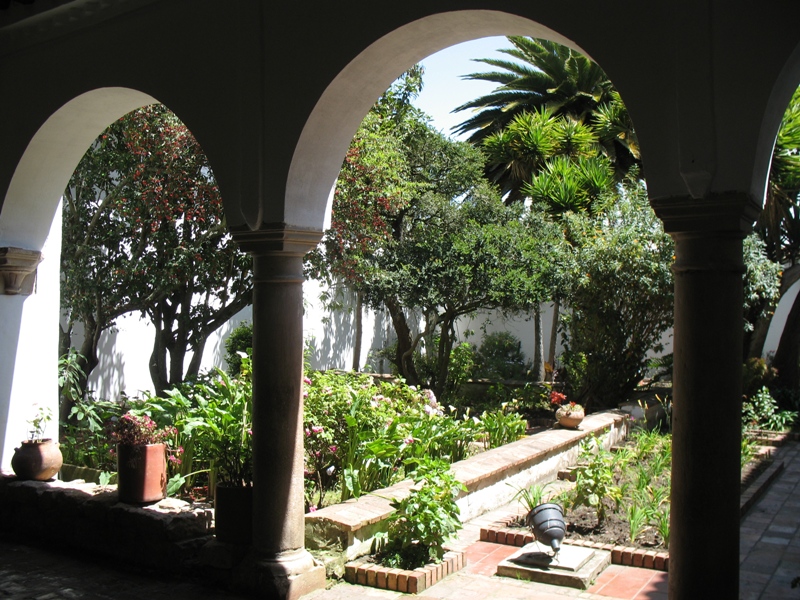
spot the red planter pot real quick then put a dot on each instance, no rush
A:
(141, 473)
(38, 460)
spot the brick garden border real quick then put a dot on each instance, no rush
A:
(361, 572)
(501, 533)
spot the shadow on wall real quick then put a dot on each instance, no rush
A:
(108, 377)
(334, 348)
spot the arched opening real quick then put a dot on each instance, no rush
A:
(330, 127)
(30, 375)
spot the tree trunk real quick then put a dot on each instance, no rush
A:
(440, 384)
(538, 344)
(359, 331)
(551, 354)
(404, 355)
(158, 359)
(197, 357)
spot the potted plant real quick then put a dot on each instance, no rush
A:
(227, 403)
(141, 458)
(568, 414)
(38, 458)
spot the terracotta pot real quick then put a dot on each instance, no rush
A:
(233, 514)
(141, 473)
(569, 420)
(38, 460)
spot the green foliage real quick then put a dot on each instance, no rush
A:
(761, 412)
(462, 366)
(424, 520)
(500, 356)
(594, 480)
(543, 76)
(85, 436)
(70, 376)
(637, 519)
(615, 278)
(532, 496)
(502, 427)
(416, 228)
(239, 342)
(761, 281)
(756, 374)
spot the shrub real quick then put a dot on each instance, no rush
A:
(756, 374)
(502, 427)
(424, 520)
(761, 412)
(617, 285)
(238, 342)
(500, 357)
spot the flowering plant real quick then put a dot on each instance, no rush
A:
(138, 430)
(564, 408)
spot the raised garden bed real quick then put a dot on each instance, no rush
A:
(510, 530)
(491, 478)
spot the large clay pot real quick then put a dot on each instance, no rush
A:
(141, 473)
(38, 460)
(569, 420)
(233, 514)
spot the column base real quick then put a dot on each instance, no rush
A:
(286, 577)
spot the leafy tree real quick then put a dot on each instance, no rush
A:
(546, 75)
(396, 161)
(144, 231)
(614, 274)
(457, 257)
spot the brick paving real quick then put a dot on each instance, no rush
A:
(769, 558)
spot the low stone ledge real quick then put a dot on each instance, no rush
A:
(491, 478)
(85, 516)
(361, 572)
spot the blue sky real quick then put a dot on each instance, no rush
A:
(443, 87)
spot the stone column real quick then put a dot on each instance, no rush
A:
(707, 388)
(280, 567)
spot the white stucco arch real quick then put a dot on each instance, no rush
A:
(341, 108)
(30, 323)
(51, 157)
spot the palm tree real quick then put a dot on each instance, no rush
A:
(549, 76)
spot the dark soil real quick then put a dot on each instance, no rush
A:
(582, 522)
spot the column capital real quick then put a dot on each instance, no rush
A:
(276, 238)
(728, 213)
(17, 270)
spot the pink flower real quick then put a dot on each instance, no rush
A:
(332, 449)
(312, 508)
(317, 429)
(306, 380)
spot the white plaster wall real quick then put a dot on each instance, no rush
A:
(32, 361)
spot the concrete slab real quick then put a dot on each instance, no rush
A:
(573, 566)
